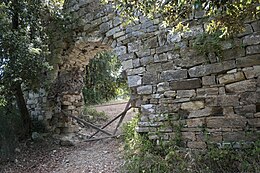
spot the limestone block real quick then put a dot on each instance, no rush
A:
(148, 108)
(104, 27)
(252, 72)
(252, 49)
(243, 110)
(134, 80)
(242, 86)
(186, 93)
(233, 121)
(171, 75)
(251, 39)
(134, 71)
(113, 31)
(173, 37)
(234, 136)
(163, 86)
(208, 111)
(255, 122)
(230, 78)
(195, 105)
(147, 89)
(164, 48)
(168, 65)
(151, 43)
(194, 30)
(188, 136)
(149, 78)
(256, 26)
(134, 46)
(247, 98)
(203, 70)
(120, 50)
(169, 94)
(146, 60)
(127, 64)
(160, 58)
(208, 80)
(185, 84)
(162, 38)
(143, 52)
(196, 145)
(248, 30)
(210, 137)
(136, 62)
(248, 61)
(223, 100)
(204, 92)
(196, 122)
(127, 56)
(153, 68)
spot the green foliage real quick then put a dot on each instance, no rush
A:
(103, 79)
(224, 16)
(90, 114)
(145, 156)
(209, 43)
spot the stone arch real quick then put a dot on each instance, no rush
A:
(169, 78)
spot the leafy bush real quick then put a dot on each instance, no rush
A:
(90, 114)
(146, 156)
(103, 79)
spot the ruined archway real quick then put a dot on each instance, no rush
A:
(169, 78)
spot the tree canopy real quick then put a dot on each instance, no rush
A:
(221, 15)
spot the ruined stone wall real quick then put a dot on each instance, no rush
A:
(211, 98)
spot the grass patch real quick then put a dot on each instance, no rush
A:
(146, 156)
(90, 114)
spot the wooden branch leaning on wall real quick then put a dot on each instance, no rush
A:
(122, 115)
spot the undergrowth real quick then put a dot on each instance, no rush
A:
(146, 156)
(90, 114)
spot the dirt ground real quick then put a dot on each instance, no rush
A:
(104, 156)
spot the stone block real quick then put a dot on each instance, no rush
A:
(188, 136)
(243, 110)
(165, 48)
(208, 80)
(160, 58)
(104, 27)
(146, 60)
(163, 86)
(196, 145)
(234, 136)
(147, 89)
(208, 111)
(254, 49)
(120, 50)
(203, 70)
(256, 26)
(204, 92)
(251, 39)
(136, 62)
(171, 75)
(153, 68)
(242, 86)
(149, 78)
(252, 72)
(196, 122)
(190, 106)
(134, 46)
(186, 93)
(134, 80)
(127, 64)
(148, 108)
(230, 78)
(233, 121)
(248, 61)
(143, 52)
(151, 43)
(210, 137)
(255, 122)
(185, 84)
(135, 71)
(173, 37)
(167, 66)
(169, 94)
(223, 100)
(247, 98)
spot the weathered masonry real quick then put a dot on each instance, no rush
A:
(212, 98)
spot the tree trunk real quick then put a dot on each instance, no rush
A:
(25, 116)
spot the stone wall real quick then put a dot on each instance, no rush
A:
(212, 98)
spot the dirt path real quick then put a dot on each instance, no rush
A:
(104, 156)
